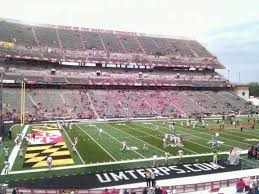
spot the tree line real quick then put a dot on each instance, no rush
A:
(254, 89)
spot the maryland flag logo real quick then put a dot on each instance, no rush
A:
(47, 141)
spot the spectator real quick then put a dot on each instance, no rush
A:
(153, 179)
(126, 192)
(144, 191)
(247, 182)
(114, 191)
(105, 191)
(14, 191)
(240, 185)
(252, 191)
(164, 190)
(151, 191)
(148, 177)
(158, 190)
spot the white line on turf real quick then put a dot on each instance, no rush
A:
(97, 143)
(159, 138)
(136, 138)
(15, 150)
(72, 144)
(200, 132)
(120, 142)
(112, 163)
(181, 132)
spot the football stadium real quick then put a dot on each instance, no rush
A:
(87, 110)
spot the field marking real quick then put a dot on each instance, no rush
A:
(15, 150)
(97, 143)
(137, 138)
(165, 133)
(200, 132)
(114, 162)
(246, 132)
(190, 129)
(235, 136)
(119, 141)
(2, 150)
(161, 140)
(72, 144)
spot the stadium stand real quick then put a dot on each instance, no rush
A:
(114, 74)
(57, 42)
(47, 37)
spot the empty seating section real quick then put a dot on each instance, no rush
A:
(82, 103)
(130, 43)
(91, 40)
(76, 74)
(47, 37)
(29, 53)
(182, 47)
(160, 104)
(106, 103)
(8, 51)
(21, 34)
(4, 34)
(133, 104)
(70, 39)
(148, 45)
(77, 103)
(165, 47)
(67, 43)
(111, 42)
(207, 102)
(183, 102)
(199, 49)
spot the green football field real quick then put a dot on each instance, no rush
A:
(100, 153)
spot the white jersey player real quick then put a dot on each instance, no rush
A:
(166, 157)
(145, 148)
(187, 123)
(124, 146)
(6, 151)
(76, 140)
(154, 164)
(180, 154)
(49, 161)
(6, 167)
(164, 143)
(20, 152)
(100, 131)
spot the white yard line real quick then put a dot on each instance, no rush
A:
(251, 132)
(165, 133)
(15, 150)
(159, 138)
(97, 143)
(120, 142)
(72, 144)
(200, 132)
(112, 163)
(136, 138)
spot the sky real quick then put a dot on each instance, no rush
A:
(227, 28)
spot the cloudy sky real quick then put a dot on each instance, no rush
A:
(228, 28)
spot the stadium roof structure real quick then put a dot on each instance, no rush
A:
(85, 45)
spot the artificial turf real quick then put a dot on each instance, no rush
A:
(93, 148)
